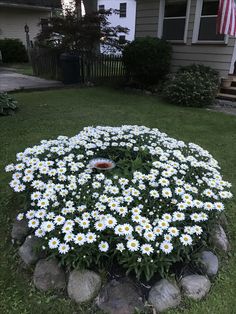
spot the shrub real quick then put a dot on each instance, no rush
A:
(7, 104)
(194, 85)
(147, 60)
(153, 209)
(13, 50)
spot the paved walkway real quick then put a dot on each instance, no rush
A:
(228, 110)
(12, 81)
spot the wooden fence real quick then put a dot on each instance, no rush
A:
(91, 68)
(46, 63)
(101, 68)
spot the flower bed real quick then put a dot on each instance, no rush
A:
(152, 209)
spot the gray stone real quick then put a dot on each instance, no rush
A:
(164, 295)
(49, 276)
(210, 263)
(195, 287)
(29, 251)
(119, 297)
(83, 285)
(223, 220)
(147, 92)
(20, 230)
(219, 239)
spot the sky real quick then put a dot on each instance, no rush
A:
(70, 4)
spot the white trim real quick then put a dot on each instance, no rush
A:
(187, 21)
(197, 19)
(162, 17)
(233, 60)
(196, 28)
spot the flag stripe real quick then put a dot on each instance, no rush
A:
(226, 18)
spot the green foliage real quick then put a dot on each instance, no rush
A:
(7, 104)
(105, 106)
(13, 50)
(194, 85)
(147, 60)
(70, 34)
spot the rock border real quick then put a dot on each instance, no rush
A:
(121, 296)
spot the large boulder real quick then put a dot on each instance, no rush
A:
(195, 287)
(83, 285)
(30, 251)
(20, 230)
(210, 263)
(119, 297)
(164, 295)
(219, 239)
(49, 276)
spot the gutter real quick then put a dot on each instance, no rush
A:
(26, 6)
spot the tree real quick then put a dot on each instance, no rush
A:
(68, 33)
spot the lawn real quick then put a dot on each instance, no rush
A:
(22, 68)
(47, 114)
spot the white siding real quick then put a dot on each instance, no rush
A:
(115, 19)
(13, 20)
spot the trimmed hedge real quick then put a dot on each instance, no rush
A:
(193, 86)
(147, 60)
(13, 51)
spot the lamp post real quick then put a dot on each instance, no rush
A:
(27, 40)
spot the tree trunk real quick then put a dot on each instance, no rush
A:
(78, 8)
(90, 6)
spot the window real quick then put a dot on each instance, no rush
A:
(122, 39)
(207, 28)
(205, 24)
(123, 8)
(101, 7)
(174, 20)
(44, 24)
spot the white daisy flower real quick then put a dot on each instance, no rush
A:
(133, 245)
(166, 247)
(146, 249)
(103, 246)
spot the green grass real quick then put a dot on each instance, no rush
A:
(22, 68)
(45, 115)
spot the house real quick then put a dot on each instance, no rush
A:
(15, 14)
(190, 26)
(125, 17)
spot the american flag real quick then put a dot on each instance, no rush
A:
(226, 19)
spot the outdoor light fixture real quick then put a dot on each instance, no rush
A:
(26, 28)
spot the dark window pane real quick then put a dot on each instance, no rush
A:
(44, 24)
(174, 29)
(101, 7)
(175, 9)
(123, 9)
(210, 7)
(122, 39)
(207, 29)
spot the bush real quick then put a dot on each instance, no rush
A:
(194, 85)
(147, 60)
(7, 104)
(154, 207)
(13, 50)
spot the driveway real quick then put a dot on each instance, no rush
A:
(12, 81)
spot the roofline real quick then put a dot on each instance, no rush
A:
(26, 6)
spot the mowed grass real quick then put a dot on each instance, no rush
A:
(45, 115)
